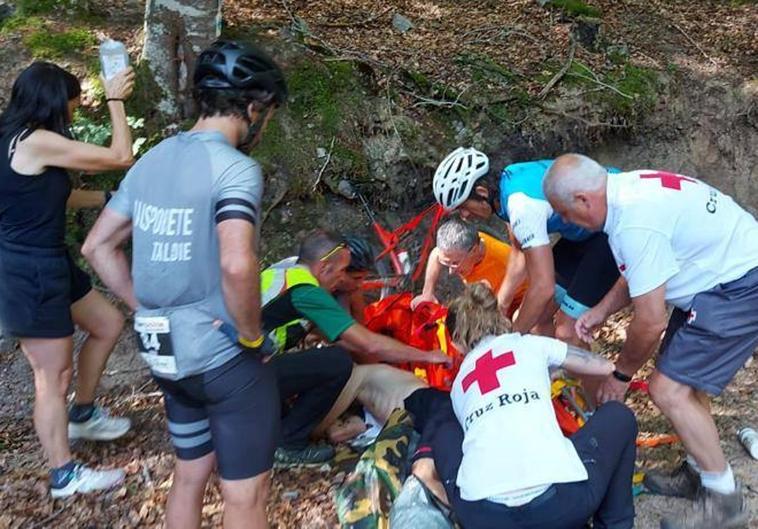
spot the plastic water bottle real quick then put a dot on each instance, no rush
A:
(113, 57)
(749, 439)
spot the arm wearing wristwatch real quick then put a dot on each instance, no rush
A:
(616, 299)
(644, 332)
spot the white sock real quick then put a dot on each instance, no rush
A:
(693, 464)
(721, 482)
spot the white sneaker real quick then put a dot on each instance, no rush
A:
(89, 480)
(99, 427)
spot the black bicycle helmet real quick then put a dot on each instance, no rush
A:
(361, 254)
(229, 65)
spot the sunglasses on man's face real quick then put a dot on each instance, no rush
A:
(333, 251)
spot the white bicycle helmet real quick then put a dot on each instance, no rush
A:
(455, 177)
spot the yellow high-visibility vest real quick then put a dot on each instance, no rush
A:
(275, 281)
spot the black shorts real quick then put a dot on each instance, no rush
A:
(232, 410)
(425, 403)
(38, 288)
(584, 273)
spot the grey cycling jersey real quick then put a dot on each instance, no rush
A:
(175, 195)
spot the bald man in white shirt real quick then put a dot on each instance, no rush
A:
(679, 241)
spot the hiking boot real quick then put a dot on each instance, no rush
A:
(83, 479)
(310, 455)
(711, 510)
(683, 483)
(99, 427)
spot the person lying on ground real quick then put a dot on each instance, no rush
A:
(380, 389)
(500, 454)
(472, 256)
(676, 240)
(44, 293)
(295, 296)
(565, 279)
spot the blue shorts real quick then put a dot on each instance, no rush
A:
(232, 410)
(706, 346)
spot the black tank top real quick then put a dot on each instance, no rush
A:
(32, 207)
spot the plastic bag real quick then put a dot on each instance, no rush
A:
(414, 509)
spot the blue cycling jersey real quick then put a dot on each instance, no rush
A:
(527, 177)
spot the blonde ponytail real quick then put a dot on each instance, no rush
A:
(474, 315)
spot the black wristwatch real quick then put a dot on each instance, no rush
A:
(108, 196)
(621, 377)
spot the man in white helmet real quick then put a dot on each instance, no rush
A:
(572, 275)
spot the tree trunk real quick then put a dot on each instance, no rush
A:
(175, 32)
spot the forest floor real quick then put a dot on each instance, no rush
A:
(300, 498)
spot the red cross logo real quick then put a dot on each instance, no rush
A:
(670, 180)
(485, 371)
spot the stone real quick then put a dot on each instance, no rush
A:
(345, 188)
(586, 31)
(290, 495)
(6, 10)
(320, 152)
(401, 23)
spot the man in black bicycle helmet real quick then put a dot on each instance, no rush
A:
(239, 81)
(192, 207)
(349, 290)
(361, 255)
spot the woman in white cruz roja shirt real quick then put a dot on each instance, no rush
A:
(517, 470)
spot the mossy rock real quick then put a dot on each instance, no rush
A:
(44, 44)
(576, 8)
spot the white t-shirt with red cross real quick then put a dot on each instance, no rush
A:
(513, 448)
(674, 229)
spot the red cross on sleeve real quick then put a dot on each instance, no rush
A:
(669, 180)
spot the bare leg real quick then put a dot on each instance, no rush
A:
(545, 325)
(426, 472)
(691, 420)
(185, 499)
(245, 502)
(51, 361)
(565, 331)
(94, 314)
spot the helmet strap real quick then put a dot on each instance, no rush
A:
(252, 131)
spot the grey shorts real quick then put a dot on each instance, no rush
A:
(705, 347)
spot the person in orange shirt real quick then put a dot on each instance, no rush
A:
(471, 255)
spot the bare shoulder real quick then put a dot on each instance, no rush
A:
(41, 138)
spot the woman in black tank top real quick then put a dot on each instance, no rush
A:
(43, 292)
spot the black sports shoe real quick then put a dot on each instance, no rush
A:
(711, 510)
(310, 455)
(684, 482)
